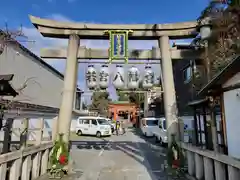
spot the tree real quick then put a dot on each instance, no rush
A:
(133, 97)
(122, 96)
(100, 102)
(224, 42)
(138, 97)
(9, 36)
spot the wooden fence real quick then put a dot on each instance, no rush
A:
(29, 162)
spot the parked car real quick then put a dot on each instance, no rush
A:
(160, 132)
(147, 125)
(90, 125)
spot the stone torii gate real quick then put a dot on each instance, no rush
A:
(76, 31)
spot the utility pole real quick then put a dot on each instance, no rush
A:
(145, 104)
(211, 100)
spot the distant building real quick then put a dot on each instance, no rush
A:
(182, 71)
(155, 102)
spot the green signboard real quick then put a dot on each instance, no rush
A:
(118, 40)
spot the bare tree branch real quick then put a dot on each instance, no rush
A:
(26, 83)
(7, 36)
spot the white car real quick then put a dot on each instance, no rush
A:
(148, 125)
(90, 125)
(160, 133)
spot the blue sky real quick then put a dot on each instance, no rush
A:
(15, 13)
(104, 11)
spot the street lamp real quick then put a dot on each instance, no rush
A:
(205, 32)
(205, 28)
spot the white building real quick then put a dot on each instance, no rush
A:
(42, 84)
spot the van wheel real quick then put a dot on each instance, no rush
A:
(79, 132)
(156, 139)
(98, 134)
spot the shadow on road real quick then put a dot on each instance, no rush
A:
(146, 152)
(150, 140)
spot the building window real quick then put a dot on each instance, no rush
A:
(78, 101)
(187, 74)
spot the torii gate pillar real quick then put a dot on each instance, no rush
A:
(70, 77)
(170, 105)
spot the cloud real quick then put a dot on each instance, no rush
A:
(41, 42)
(71, 1)
(59, 17)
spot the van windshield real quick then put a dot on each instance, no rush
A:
(164, 124)
(103, 122)
(152, 122)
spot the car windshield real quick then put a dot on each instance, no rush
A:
(152, 122)
(103, 122)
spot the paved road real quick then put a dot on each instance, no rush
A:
(125, 157)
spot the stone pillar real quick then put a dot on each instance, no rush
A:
(233, 173)
(191, 163)
(169, 94)
(54, 128)
(208, 169)
(65, 114)
(39, 133)
(220, 171)
(199, 166)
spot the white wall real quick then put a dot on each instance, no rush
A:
(232, 115)
(189, 121)
(45, 86)
(48, 125)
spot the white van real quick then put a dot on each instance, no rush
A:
(147, 125)
(160, 132)
(90, 125)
